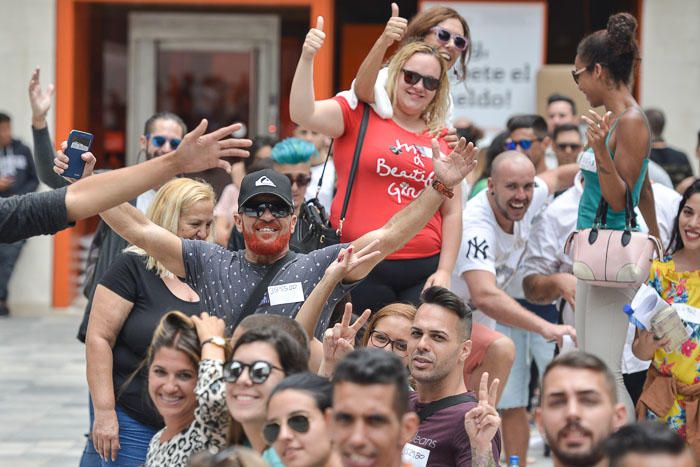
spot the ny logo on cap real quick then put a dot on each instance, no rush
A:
(264, 181)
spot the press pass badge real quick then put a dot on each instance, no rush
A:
(285, 293)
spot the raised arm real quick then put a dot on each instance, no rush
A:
(630, 152)
(40, 101)
(137, 229)
(322, 116)
(405, 224)
(197, 152)
(367, 73)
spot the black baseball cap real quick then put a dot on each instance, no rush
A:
(265, 182)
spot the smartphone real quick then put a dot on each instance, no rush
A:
(79, 142)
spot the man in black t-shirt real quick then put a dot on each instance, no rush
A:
(440, 339)
(674, 162)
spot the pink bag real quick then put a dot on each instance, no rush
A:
(613, 258)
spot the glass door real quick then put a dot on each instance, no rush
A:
(222, 67)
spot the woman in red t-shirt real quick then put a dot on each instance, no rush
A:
(395, 165)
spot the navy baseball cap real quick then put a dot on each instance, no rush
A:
(265, 182)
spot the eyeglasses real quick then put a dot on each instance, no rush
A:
(298, 423)
(381, 340)
(444, 36)
(523, 143)
(159, 141)
(301, 180)
(258, 371)
(278, 210)
(576, 73)
(572, 146)
(412, 78)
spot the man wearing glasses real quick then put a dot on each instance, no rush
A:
(567, 143)
(528, 135)
(227, 281)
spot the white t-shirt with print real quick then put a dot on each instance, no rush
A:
(487, 247)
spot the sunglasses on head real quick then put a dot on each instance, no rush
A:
(301, 180)
(159, 141)
(298, 423)
(258, 371)
(444, 36)
(572, 146)
(412, 78)
(523, 143)
(278, 210)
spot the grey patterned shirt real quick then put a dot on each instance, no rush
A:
(224, 279)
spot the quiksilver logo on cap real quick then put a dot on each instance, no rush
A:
(264, 181)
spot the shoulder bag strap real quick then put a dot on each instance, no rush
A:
(353, 168)
(449, 401)
(251, 305)
(323, 172)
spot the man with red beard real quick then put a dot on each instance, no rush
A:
(578, 409)
(226, 280)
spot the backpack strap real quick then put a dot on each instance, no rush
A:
(251, 305)
(444, 403)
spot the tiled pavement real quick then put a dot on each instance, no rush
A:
(43, 393)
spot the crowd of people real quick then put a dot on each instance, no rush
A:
(375, 290)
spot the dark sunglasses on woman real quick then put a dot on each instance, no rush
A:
(444, 36)
(278, 210)
(301, 180)
(159, 141)
(412, 78)
(258, 371)
(298, 423)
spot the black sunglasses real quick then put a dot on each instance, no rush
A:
(572, 146)
(444, 36)
(298, 423)
(412, 78)
(258, 371)
(159, 141)
(381, 340)
(278, 210)
(301, 180)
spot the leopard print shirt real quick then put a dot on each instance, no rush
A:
(210, 425)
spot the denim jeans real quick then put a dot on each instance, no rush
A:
(134, 438)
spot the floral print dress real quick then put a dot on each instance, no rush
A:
(683, 364)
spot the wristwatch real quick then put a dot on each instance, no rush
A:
(216, 340)
(442, 188)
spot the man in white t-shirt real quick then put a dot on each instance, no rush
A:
(496, 226)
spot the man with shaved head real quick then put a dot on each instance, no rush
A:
(496, 225)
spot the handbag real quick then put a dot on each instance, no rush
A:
(613, 258)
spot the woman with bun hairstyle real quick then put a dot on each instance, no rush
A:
(617, 158)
